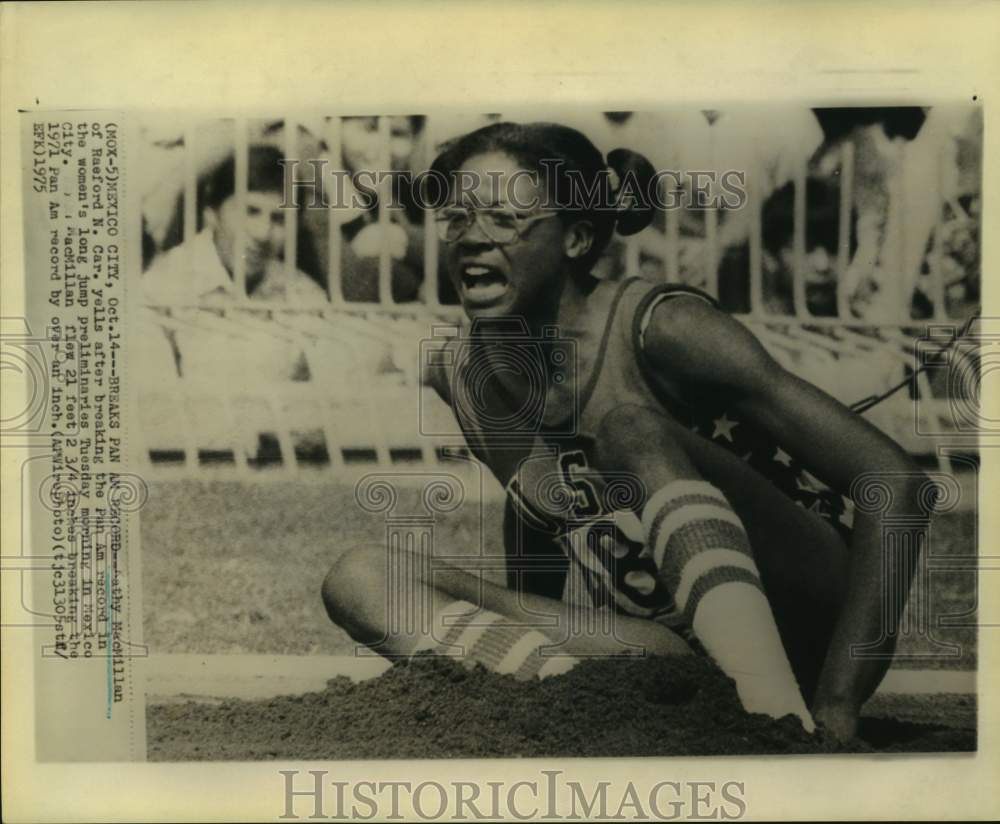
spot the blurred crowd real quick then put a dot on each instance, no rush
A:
(914, 205)
(908, 179)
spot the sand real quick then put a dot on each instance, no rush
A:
(437, 708)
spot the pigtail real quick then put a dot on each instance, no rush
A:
(631, 177)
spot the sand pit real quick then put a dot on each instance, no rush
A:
(436, 708)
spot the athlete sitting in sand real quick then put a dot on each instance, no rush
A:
(725, 544)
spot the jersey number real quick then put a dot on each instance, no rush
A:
(572, 465)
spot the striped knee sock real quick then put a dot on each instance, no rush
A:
(481, 637)
(703, 556)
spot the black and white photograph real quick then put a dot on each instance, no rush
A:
(564, 433)
(498, 412)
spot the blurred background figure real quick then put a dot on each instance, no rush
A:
(912, 169)
(767, 144)
(907, 180)
(685, 244)
(202, 269)
(229, 348)
(364, 154)
(778, 262)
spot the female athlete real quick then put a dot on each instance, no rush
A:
(667, 472)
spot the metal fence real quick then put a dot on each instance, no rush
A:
(342, 392)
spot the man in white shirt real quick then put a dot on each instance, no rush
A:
(201, 270)
(222, 360)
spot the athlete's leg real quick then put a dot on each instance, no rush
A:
(803, 566)
(704, 557)
(397, 608)
(802, 559)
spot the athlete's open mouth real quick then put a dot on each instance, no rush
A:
(482, 283)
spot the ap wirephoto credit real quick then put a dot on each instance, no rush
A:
(582, 457)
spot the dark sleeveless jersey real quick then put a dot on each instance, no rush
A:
(590, 514)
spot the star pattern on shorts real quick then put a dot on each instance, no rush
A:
(847, 514)
(761, 451)
(807, 483)
(724, 428)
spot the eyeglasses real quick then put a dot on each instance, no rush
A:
(499, 225)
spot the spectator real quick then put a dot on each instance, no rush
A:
(906, 169)
(778, 255)
(202, 268)
(201, 272)
(357, 214)
(768, 146)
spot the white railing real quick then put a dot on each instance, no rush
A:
(211, 401)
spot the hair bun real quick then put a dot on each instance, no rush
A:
(635, 177)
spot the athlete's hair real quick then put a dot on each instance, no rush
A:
(572, 170)
(264, 174)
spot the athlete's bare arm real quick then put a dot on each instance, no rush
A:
(689, 340)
